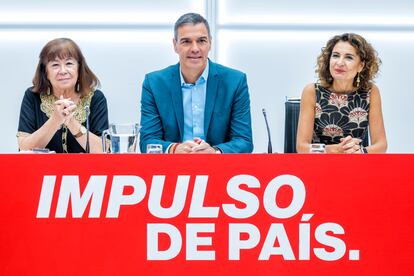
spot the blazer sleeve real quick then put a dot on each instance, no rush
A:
(151, 126)
(240, 129)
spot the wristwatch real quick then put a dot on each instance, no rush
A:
(217, 149)
(82, 131)
(363, 150)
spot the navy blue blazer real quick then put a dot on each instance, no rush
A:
(227, 119)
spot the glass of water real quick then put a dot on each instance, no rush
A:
(122, 138)
(154, 148)
(317, 148)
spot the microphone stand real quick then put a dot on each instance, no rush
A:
(87, 150)
(269, 145)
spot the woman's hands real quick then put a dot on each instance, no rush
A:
(346, 145)
(63, 111)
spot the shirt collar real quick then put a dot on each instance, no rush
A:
(201, 79)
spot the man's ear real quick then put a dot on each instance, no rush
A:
(175, 45)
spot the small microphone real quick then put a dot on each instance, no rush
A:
(269, 145)
(87, 111)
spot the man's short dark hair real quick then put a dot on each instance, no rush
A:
(190, 18)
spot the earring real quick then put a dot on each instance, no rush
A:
(49, 85)
(358, 80)
(77, 87)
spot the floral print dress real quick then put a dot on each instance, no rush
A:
(338, 115)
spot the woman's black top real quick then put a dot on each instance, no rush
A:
(37, 108)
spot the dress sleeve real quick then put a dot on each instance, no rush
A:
(99, 114)
(27, 118)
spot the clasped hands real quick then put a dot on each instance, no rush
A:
(349, 145)
(196, 146)
(64, 110)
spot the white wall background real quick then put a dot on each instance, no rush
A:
(275, 42)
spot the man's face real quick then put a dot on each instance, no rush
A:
(192, 45)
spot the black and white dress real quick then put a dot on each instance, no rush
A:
(338, 115)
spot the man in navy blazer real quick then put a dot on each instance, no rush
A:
(196, 106)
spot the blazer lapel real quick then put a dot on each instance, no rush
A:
(211, 94)
(177, 98)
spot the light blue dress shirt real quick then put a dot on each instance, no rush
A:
(194, 101)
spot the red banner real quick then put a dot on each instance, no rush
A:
(206, 214)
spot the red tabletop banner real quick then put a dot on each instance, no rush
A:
(250, 214)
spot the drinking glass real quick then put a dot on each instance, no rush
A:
(154, 148)
(123, 138)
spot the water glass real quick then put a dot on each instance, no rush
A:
(154, 148)
(123, 138)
